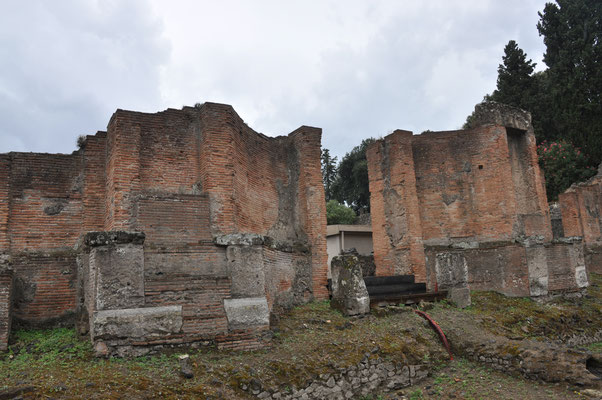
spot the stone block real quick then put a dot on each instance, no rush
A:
(6, 291)
(593, 257)
(118, 272)
(136, 323)
(239, 239)
(246, 269)
(459, 296)
(581, 277)
(245, 313)
(537, 263)
(451, 270)
(349, 293)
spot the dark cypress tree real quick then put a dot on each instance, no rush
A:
(351, 185)
(572, 33)
(329, 172)
(515, 83)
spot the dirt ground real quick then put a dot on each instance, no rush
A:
(462, 379)
(310, 340)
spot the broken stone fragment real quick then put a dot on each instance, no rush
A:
(459, 296)
(349, 293)
(185, 367)
(247, 312)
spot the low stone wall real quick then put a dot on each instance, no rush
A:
(130, 311)
(545, 361)
(372, 374)
(534, 360)
(530, 267)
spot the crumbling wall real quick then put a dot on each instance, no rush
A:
(462, 181)
(41, 208)
(581, 207)
(395, 210)
(476, 195)
(183, 178)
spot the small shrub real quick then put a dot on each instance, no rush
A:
(337, 213)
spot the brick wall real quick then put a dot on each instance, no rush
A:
(41, 215)
(201, 298)
(45, 201)
(4, 202)
(395, 212)
(123, 168)
(581, 210)
(312, 204)
(182, 177)
(462, 181)
(478, 192)
(45, 287)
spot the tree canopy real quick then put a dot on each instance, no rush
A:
(565, 100)
(515, 82)
(329, 172)
(572, 34)
(337, 213)
(351, 184)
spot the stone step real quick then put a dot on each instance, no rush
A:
(412, 298)
(388, 280)
(402, 288)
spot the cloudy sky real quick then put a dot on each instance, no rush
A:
(356, 69)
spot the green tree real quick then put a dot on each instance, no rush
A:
(572, 33)
(563, 164)
(351, 185)
(337, 213)
(515, 82)
(329, 172)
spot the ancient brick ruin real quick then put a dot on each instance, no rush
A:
(176, 227)
(468, 208)
(186, 226)
(580, 209)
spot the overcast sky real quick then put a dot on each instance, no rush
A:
(356, 69)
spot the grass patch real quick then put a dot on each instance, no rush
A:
(311, 340)
(557, 319)
(595, 347)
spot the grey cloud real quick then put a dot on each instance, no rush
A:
(357, 69)
(67, 65)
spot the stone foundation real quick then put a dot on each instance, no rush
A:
(371, 375)
(126, 320)
(6, 297)
(513, 269)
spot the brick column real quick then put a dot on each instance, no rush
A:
(217, 165)
(312, 203)
(396, 226)
(4, 202)
(122, 170)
